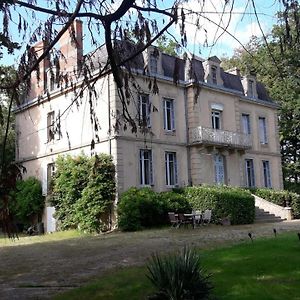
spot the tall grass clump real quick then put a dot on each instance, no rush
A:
(179, 276)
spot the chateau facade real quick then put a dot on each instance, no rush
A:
(211, 126)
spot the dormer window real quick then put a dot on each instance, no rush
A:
(214, 74)
(153, 63)
(250, 88)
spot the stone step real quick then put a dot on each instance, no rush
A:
(262, 216)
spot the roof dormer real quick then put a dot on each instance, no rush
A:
(213, 71)
(249, 85)
(152, 59)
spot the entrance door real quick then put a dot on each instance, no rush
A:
(219, 169)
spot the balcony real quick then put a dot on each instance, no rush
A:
(213, 137)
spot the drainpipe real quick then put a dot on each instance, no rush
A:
(187, 137)
(109, 118)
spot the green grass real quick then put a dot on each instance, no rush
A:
(268, 269)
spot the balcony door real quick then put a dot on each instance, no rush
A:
(219, 169)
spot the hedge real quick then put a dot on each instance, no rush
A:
(281, 198)
(235, 203)
(144, 208)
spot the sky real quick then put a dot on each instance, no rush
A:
(241, 23)
(209, 39)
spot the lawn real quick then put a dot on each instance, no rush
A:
(267, 269)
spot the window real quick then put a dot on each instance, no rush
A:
(216, 119)
(146, 173)
(50, 126)
(50, 174)
(246, 124)
(266, 174)
(53, 126)
(219, 169)
(145, 111)
(171, 169)
(250, 177)
(250, 88)
(214, 74)
(153, 63)
(262, 130)
(169, 115)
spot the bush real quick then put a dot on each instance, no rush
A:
(29, 201)
(281, 198)
(179, 276)
(235, 203)
(140, 208)
(144, 208)
(175, 202)
(83, 190)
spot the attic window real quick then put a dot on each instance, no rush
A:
(250, 88)
(153, 63)
(214, 74)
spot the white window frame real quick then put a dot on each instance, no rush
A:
(146, 167)
(246, 124)
(263, 137)
(250, 172)
(171, 169)
(169, 114)
(266, 174)
(145, 110)
(216, 114)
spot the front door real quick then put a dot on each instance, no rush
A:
(219, 169)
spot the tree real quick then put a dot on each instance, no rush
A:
(276, 64)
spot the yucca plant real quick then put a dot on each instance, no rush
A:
(179, 276)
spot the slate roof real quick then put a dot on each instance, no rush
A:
(172, 65)
(232, 81)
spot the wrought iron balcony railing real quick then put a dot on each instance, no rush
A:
(215, 137)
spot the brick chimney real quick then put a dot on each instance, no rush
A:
(71, 48)
(38, 79)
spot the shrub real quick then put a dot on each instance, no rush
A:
(235, 203)
(280, 198)
(29, 200)
(179, 276)
(175, 202)
(140, 208)
(83, 189)
(143, 208)
(97, 196)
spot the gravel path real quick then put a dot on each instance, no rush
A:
(40, 270)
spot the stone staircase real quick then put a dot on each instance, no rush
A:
(262, 216)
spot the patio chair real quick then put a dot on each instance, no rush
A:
(183, 220)
(198, 217)
(173, 219)
(206, 216)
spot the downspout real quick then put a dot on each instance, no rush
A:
(109, 118)
(187, 137)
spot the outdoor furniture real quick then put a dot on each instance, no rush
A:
(185, 219)
(206, 216)
(173, 219)
(197, 215)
